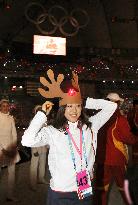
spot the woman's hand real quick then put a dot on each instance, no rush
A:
(47, 106)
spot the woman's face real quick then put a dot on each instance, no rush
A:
(4, 107)
(73, 112)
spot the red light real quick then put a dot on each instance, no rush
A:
(13, 88)
(71, 92)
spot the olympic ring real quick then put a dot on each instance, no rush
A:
(43, 16)
(27, 10)
(74, 22)
(56, 7)
(84, 13)
(57, 22)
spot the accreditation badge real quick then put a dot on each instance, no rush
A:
(84, 184)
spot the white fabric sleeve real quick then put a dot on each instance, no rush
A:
(35, 135)
(107, 109)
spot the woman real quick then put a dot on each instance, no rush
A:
(72, 139)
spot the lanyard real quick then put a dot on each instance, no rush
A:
(82, 148)
(76, 147)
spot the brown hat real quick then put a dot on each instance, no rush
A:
(71, 97)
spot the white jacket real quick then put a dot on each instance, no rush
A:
(59, 158)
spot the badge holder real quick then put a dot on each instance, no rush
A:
(83, 183)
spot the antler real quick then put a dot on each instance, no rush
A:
(54, 86)
(74, 81)
(55, 90)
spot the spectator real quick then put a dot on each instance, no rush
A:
(38, 162)
(9, 155)
(112, 152)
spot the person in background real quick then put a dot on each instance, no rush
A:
(38, 162)
(72, 139)
(112, 152)
(9, 155)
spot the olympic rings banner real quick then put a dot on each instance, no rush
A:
(49, 45)
(56, 18)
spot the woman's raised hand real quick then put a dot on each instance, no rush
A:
(47, 106)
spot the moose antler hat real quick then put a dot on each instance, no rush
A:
(73, 96)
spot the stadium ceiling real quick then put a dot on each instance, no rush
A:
(92, 27)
